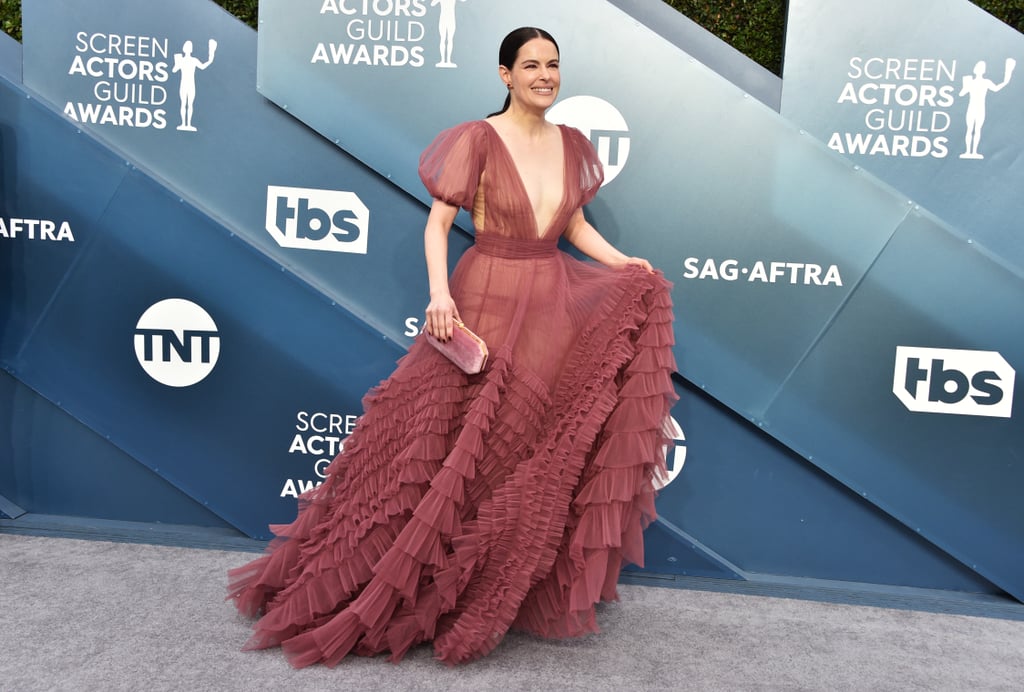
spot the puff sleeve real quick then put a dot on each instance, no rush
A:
(589, 173)
(450, 167)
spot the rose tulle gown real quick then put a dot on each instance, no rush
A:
(462, 505)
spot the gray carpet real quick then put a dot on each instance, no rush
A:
(92, 615)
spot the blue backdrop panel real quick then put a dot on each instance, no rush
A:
(767, 510)
(242, 145)
(229, 177)
(879, 70)
(58, 466)
(10, 58)
(743, 249)
(45, 177)
(929, 286)
(201, 438)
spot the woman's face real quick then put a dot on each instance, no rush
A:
(534, 77)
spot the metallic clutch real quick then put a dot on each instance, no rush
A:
(467, 350)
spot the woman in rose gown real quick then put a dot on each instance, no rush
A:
(466, 505)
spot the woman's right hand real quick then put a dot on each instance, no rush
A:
(441, 316)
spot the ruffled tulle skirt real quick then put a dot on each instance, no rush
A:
(463, 506)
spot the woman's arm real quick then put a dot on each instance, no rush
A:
(587, 240)
(441, 311)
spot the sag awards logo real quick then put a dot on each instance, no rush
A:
(390, 33)
(319, 437)
(177, 343)
(129, 78)
(307, 219)
(602, 124)
(913, 107)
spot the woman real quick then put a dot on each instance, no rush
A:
(464, 505)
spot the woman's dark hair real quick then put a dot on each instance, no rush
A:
(509, 51)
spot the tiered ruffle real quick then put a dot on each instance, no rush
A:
(466, 505)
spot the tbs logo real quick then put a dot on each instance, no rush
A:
(305, 219)
(965, 383)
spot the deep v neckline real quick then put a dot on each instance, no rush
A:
(522, 184)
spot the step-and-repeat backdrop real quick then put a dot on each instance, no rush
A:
(239, 280)
(925, 95)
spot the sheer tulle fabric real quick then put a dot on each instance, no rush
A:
(465, 505)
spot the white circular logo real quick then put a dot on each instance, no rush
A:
(602, 124)
(675, 455)
(176, 342)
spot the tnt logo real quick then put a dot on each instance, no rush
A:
(602, 123)
(965, 383)
(177, 343)
(675, 454)
(305, 219)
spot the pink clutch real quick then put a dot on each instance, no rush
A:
(467, 350)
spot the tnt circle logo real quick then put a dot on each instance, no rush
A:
(308, 219)
(600, 122)
(177, 343)
(954, 381)
(675, 454)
